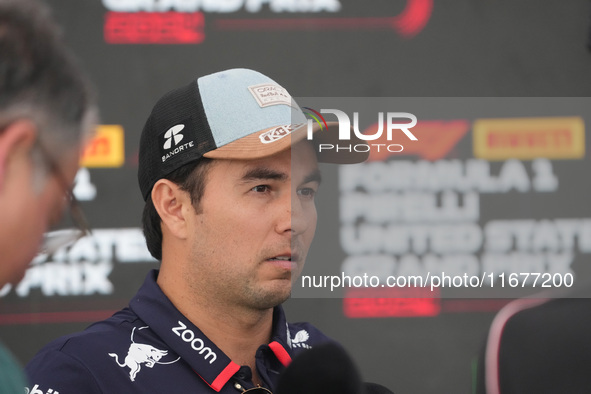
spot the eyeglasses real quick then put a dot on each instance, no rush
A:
(254, 390)
(55, 240)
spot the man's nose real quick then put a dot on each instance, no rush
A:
(291, 215)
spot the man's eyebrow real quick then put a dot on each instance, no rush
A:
(314, 176)
(263, 173)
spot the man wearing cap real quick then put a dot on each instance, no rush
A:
(229, 181)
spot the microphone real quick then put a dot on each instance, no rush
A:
(325, 369)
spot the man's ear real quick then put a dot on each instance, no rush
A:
(170, 203)
(16, 141)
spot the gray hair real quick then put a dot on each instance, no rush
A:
(40, 80)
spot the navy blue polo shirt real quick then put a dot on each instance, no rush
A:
(150, 347)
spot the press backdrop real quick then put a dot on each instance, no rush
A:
(136, 50)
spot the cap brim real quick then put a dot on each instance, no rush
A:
(325, 141)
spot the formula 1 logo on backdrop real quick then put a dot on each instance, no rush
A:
(183, 21)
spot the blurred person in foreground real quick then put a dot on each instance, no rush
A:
(46, 112)
(229, 181)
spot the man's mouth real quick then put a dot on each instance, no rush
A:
(285, 261)
(284, 258)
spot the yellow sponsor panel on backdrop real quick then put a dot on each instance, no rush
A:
(106, 149)
(529, 138)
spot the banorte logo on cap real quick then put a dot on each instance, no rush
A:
(173, 133)
(171, 142)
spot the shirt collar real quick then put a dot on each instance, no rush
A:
(280, 339)
(184, 338)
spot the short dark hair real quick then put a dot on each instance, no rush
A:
(190, 178)
(39, 78)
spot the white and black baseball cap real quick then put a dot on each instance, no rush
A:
(232, 114)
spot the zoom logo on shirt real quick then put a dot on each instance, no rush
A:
(197, 343)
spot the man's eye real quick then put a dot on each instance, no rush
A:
(307, 192)
(261, 188)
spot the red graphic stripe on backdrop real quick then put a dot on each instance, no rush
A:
(409, 23)
(154, 28)
(304, 24)
(391, 302)
(414, 18)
